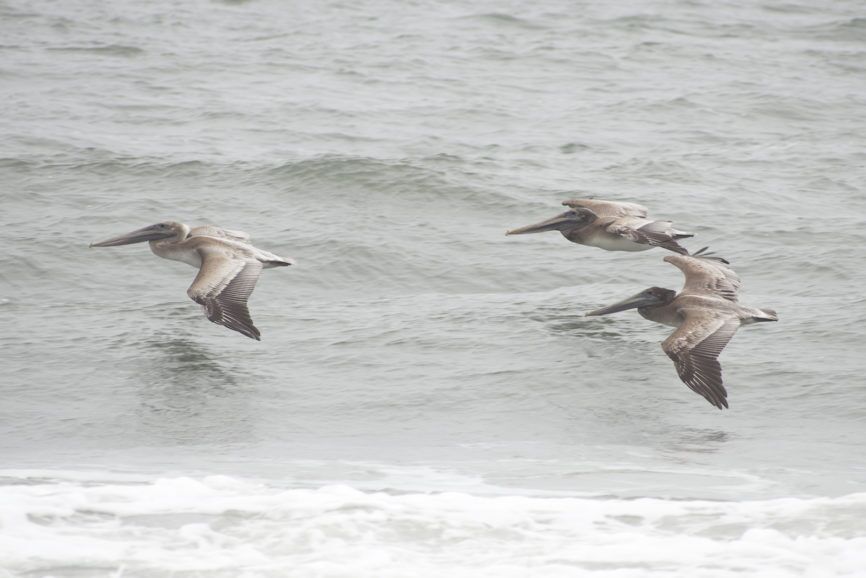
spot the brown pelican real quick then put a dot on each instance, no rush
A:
(610, 225)
(228, 267)
(706, 315)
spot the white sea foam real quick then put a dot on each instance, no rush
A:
(225, 526)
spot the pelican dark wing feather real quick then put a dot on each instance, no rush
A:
(695, 347)
(223, 286)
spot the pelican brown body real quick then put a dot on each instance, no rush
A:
(609, 225)
(228, 264)
(706, 314)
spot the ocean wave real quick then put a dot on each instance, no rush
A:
(226, 526)
(499, 19)
(840, 30)
(110, 49)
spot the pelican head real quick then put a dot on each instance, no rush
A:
(152, 233)
(568, 221)
(652, 297)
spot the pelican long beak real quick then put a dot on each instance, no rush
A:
(553, 224)
(151, 233)
(642, 299)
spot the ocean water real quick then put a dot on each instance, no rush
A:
(427, 399)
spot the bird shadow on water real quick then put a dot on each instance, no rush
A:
(697, 440)
(188, 395)
(183, 361)
(566, 319)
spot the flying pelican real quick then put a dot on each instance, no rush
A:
(228, 267)
(706, 315)
(610, 225)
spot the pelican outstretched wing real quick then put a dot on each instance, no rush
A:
(695, 347)
(222, 287)
(219, 233)
(608, 208)
(705, 275)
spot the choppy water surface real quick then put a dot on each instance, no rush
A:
(427, 398)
